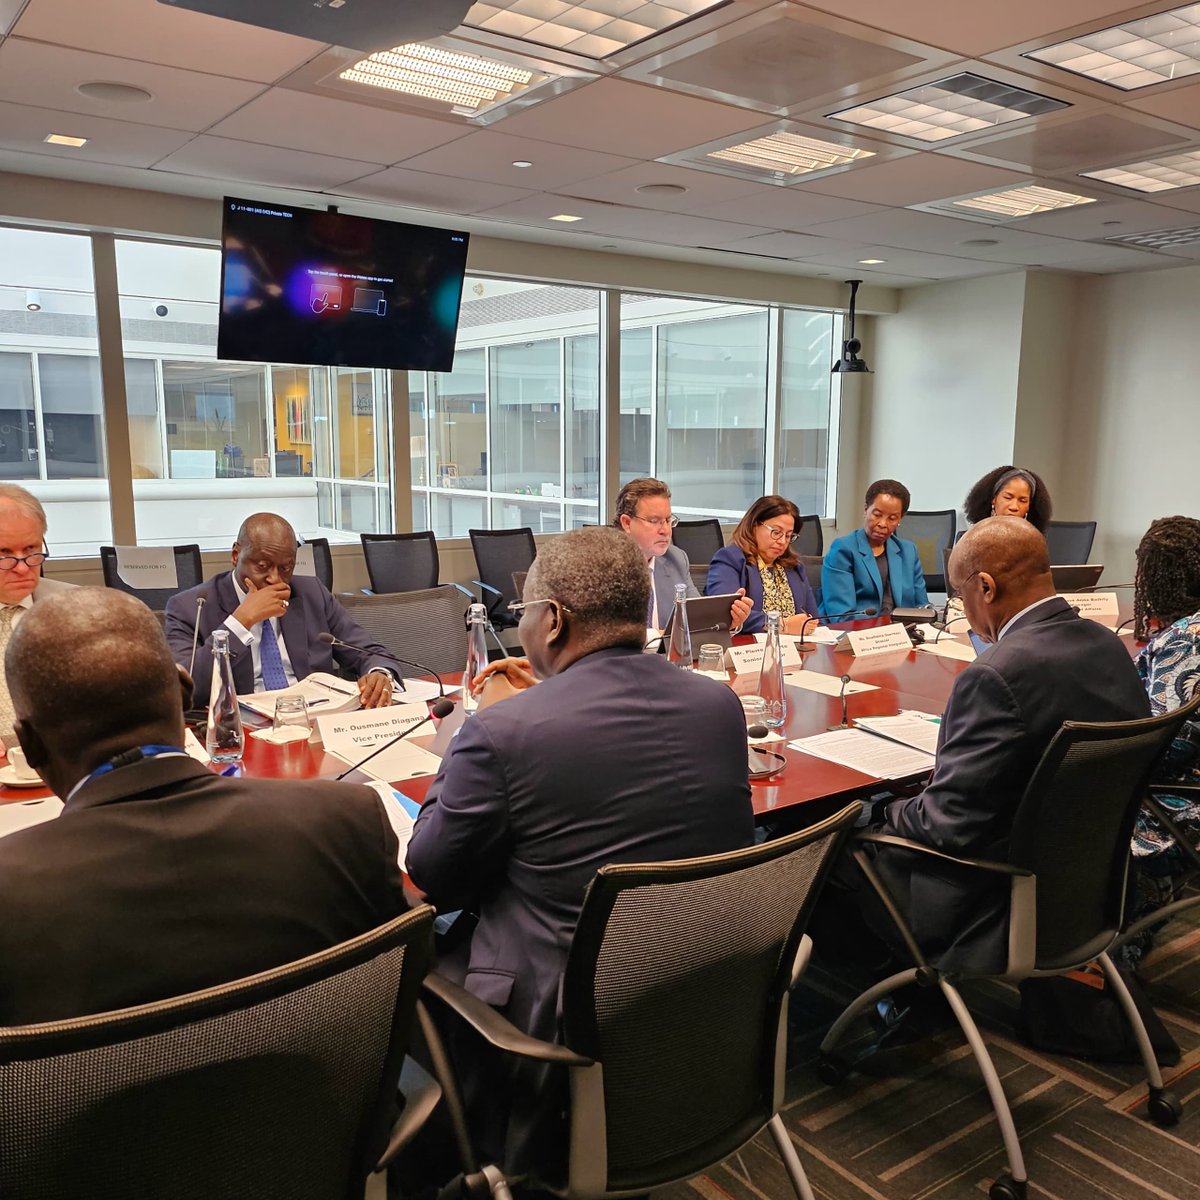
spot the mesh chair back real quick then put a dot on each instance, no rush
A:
(812, 536)
(1073, 826)
(699, 576)
(812, 568)
(313, 557)
(699, 540)
(401, 562)
(426, 627)
(932, 531)
(676, 982)
(189, 571)
(1070, 541)
(277, 1085)
(498, 553)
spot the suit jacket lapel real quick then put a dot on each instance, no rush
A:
(864, 548)
(225, 606)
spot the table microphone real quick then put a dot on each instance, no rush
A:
(804, 647)
(945, 626)
(845, 719)
(330, 640)
(201, 601)
(440, 709)
(759, 761)
(1106, 587)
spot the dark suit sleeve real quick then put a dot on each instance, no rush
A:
(837, 579)
(180, 626)
(806, 598)
(726, 574)
(982, 764)
(365, 654)
(462, 833)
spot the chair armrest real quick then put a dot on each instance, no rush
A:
(487, 587)
(487, 1022)
(466, 591)
(366, 591)
(982, 864)
(1174, 789)
(421, 1096)
(803, 954)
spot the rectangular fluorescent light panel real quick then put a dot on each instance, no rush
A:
(593, 28)
(1155, 174)
(467, 82)
(782, 154)
(61, 139)
(1159, 239)
(1022, 202)
(1135, 55)
(949, 108)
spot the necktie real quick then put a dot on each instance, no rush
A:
(7, 716)
(273, 675)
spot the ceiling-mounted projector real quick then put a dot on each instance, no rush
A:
(368, 25)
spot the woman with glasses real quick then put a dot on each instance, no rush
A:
(760, 558)
(874, 567)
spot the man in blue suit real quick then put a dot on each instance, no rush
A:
(615, 756)
(275, 620)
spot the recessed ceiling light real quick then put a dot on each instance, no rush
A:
(522, 162)
(949, 108)
(62, 139)
(789, 154)
(980, 243)
(1159, 239)
(593, 28)
(1134, 55)
(661, 189)
(566, 218)
(1022, 201)
(114, 93)
(1154, 174)
(467, 82)
(871, 262)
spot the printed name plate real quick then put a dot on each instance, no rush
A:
(882, 640)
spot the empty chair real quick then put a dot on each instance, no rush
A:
(124, 565)
(1070, 541)
(699, 540)
(313, 557)
(401, 562)
(425, 627)
(282, 1084)
(498, 553)
(1064, 910)
(674, 1015)
(812, 537)
(932, 532)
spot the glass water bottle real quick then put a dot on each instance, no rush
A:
(477, 656)
(770, 680)
(679, 649)
(225, 741)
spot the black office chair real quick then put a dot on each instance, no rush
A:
(189, 571)
(699, 540)
(498, 553)
(812, 537)
(674, 1015)
(426, 626)
(699, 574)
(1064, 909)
(282, 1084)
(932, 531)
(401, 562)
(322, 559)
(812, 568)
(1070, 541)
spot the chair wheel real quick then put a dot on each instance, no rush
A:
(832, 1069)
(1164, 1108)
(1006, 1188)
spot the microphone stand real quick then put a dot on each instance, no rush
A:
(440, 709)
(330, 640)
(201, 601)
(845, 718)
(804, 647)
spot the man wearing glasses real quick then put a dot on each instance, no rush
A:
(644, 512)
(22, 552)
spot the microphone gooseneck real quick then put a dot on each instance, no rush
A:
(945, 626)
(201, 601)
(330, 640)
(845, 718)
(440, 708)
(804, 647)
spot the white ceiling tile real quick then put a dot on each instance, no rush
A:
(223, 158)
(489, 155)
(1100, 220)
(910, 230)
(778, 245)
(703, 187)
(911, 263)
(8, 13)
(629, 119)
(914, 179)
(437, 193)
(24, 127)
(302, 121)
(1180, 104)
(47, 76)
(156, 33)
(794, 208)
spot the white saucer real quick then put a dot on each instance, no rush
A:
(10, 778)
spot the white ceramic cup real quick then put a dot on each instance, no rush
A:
(20, 764)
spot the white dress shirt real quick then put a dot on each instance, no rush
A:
(253, 639)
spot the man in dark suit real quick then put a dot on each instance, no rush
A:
(159, 877)
(615, 756)
(275, 621)
(1046, 665)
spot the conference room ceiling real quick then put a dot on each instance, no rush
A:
(644, 146)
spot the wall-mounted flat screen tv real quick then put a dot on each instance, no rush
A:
(300, 285)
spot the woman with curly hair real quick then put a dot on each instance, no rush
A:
(1009, 492)
(1166, 605)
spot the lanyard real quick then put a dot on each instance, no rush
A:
(128, 757)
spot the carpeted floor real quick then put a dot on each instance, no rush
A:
(918, 1126)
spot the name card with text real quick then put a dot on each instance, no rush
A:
(886, 639)
(744, 659)
(351, 735)
(147, 566)
(1097, 606)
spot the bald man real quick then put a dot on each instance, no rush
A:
(275, 620)
(160, 877)
(1046, 665)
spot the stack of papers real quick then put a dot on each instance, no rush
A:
(353, 736)
(950, 648)
(827, 685)
(860, 751)
(401, 813)
(910, 728)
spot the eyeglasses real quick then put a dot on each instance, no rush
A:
(779, 535)
(659, 522)
(9, 561)
(519, 606)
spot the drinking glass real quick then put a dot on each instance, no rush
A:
(755, 708)
(291, 712)
(712, 660)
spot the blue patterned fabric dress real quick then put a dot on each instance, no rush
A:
(1169, 665)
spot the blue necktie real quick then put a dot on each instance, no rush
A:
(273, 675)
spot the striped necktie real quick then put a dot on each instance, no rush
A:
(7, 716)
(273, 675)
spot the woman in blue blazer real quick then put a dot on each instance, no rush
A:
(873, 567)
(760, 559)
